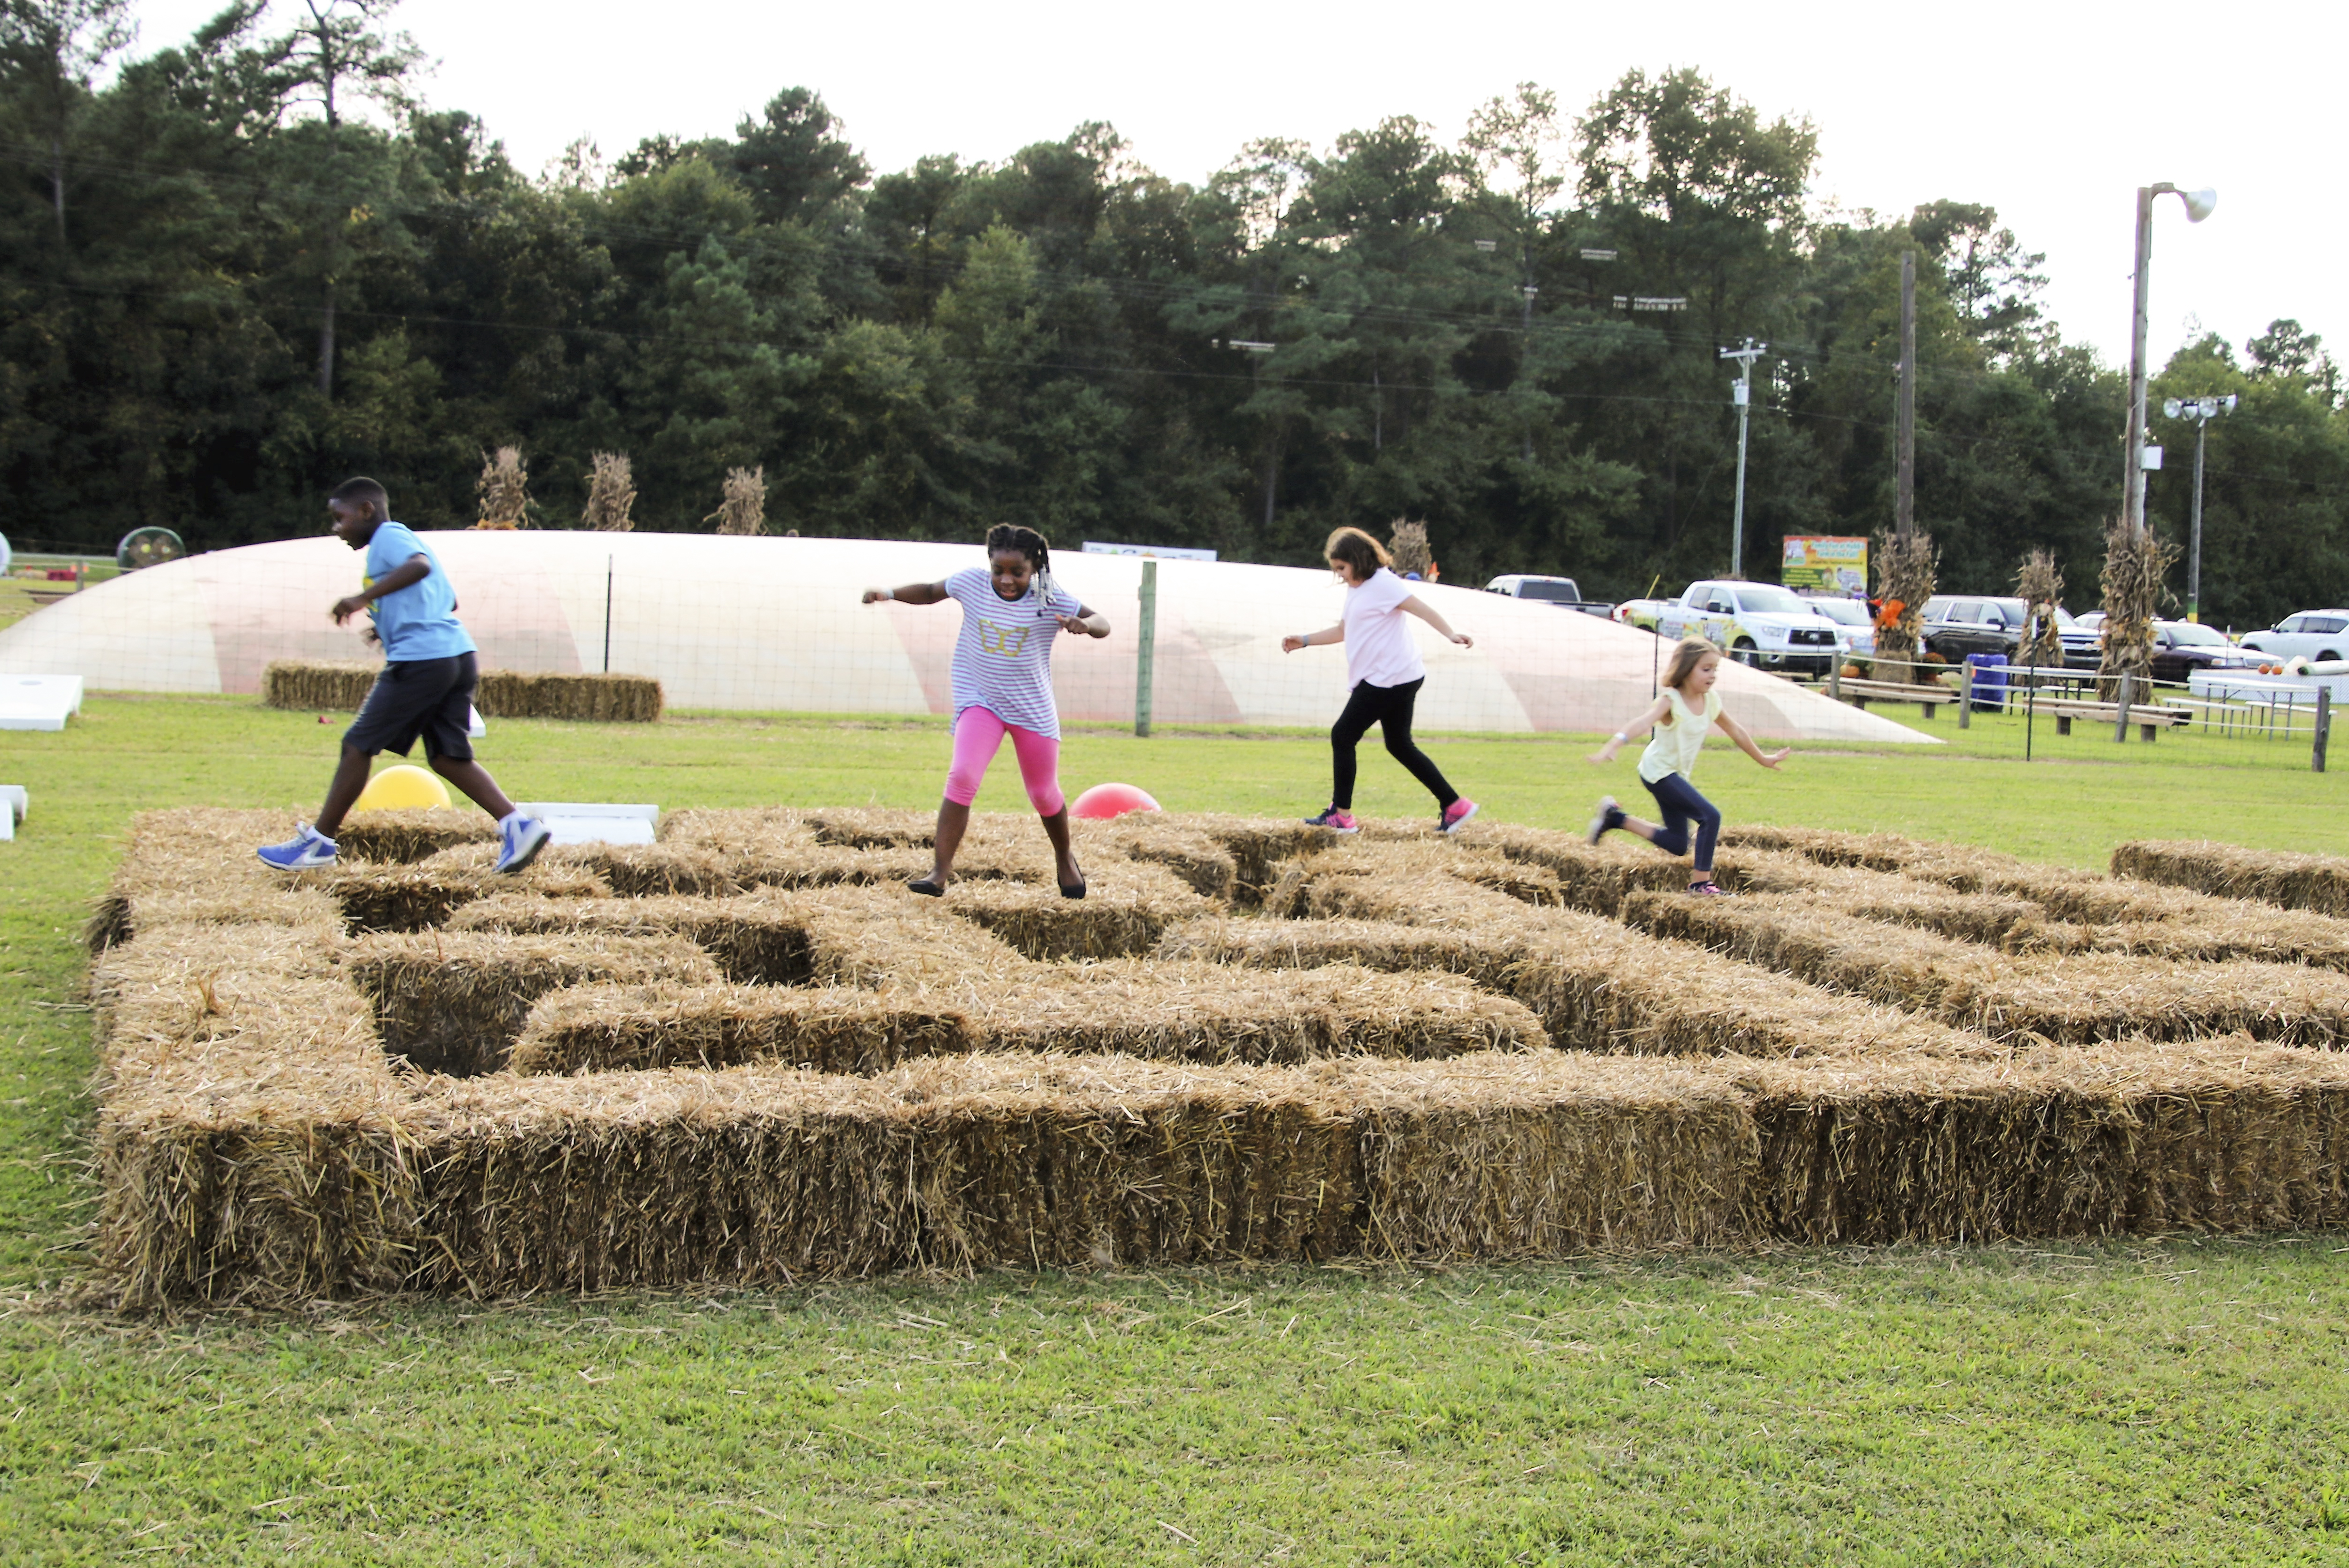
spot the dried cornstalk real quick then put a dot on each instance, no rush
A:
(2041, 586)
(2136, 562)
(611, 491)
(744, 509)
(503, 490)
(1904, 570)
(1408, 544)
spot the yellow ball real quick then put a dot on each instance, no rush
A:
(405, 787)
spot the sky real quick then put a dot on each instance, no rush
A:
(2052, 113)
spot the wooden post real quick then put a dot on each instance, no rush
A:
(2120, 718)
(1146, 638)
(1966, 696)
(2324, 723)
(1834, 677)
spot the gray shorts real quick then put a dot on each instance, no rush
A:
(432, 698)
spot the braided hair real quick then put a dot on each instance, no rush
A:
(1026, 542)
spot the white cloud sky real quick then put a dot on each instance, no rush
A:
(2053, 113)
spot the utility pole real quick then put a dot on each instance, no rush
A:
(1741, 393)
(1525, 342)
(2201, 410)
(2199, 206)
(1904, 495)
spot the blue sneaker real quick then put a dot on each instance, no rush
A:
(304, 852)
(519, 841)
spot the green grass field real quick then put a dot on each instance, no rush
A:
(2178, 1400)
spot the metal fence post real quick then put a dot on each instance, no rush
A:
(1146, 637)
(610, 561)
(2120, 721)
(2324, 723)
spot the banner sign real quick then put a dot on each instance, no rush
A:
(1162, 552)
(1825, 565)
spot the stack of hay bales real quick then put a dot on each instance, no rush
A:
(741, 1054)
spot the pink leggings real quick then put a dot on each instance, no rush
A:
(978, 735)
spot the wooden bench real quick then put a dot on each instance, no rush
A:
(2149, 718)
(1926, 697)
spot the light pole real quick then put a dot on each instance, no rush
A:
(2199, 206)
(2201, 410)
(1742, 395)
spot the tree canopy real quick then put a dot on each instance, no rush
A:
(240, 268)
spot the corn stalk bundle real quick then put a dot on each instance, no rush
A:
(2135, 565)
(743, 510)
(1905, 570)
(1409, 547)
(611, 491)
(2042, 589)
(502, 492)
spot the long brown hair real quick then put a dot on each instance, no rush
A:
(1358, 551)
(1686, 659)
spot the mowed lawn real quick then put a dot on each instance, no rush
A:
(2152, 1400)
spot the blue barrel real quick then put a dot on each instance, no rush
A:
(1989, 680)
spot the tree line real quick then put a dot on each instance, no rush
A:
(246, 265)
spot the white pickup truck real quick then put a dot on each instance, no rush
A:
(1758, 624)
(1563, 592)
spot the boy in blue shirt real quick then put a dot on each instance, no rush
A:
(426, 688)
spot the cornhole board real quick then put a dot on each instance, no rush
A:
(38, 702)
(572, 822)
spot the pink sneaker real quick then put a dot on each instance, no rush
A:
(1454, 814)
(1334, 820)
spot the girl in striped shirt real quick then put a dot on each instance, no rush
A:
(1011, 610)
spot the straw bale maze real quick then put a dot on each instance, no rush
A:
(745, 1052)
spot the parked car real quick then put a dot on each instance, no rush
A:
(1563, 592)
(1759, 624)
(1856, 629)
(2181, 647)
(2317, 635)
(1954, 624)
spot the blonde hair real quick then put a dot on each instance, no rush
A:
(1686, 659)
(1357, 549)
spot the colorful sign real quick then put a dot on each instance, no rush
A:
(1825, 565)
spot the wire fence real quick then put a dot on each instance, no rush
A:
(2215, 716)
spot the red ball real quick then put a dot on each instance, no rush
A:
(1103, 800)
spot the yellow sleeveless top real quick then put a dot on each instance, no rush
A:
(1680, 737)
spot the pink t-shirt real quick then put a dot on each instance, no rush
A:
(1379, 647)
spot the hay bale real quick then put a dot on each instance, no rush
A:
(2110, 1139)
(2319, 883)
(1127, 907)
(422, 896)
(1206, 866)
(652, 870)
(754, 941)
(2061, 998)
(454, 1002)
(412, 835)
(584, 698)
(833, 1029)
(317, 685)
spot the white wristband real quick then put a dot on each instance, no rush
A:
(890, 595)
(1620, 737)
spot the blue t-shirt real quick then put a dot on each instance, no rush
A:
(419, 622)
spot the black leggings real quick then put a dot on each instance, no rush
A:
(1389, 708)
(1677, 799)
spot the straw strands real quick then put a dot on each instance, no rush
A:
(744, 1054)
